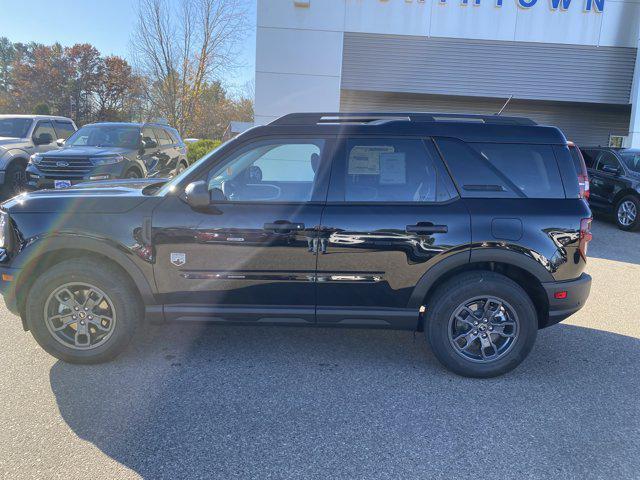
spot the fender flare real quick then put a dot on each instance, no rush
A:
(117, 253)
(475, 255)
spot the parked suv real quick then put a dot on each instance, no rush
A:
(472, 229)
(615, 183)
(20, 137)
(105, 151)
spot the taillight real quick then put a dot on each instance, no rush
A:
(585, 236)
(583, 183)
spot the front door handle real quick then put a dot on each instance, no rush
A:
(283, 226)
(426, 228)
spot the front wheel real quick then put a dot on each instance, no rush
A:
(15, 179)
(627, 212)
(481, 324)
(83, 311)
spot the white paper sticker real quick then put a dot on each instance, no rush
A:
(365, 160)
(393, 169)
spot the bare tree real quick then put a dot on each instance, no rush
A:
(180, 46)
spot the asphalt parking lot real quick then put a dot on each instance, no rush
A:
(234, 402)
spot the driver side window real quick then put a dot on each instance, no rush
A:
(607, 159)
(269, 170)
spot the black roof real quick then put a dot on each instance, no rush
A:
(470, 128)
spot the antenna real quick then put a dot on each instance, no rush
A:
(505, 104)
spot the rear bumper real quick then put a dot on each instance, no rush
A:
(577, 292)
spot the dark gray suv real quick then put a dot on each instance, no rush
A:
(105, 151)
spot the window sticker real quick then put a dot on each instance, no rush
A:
(393, 169)
(365, 160)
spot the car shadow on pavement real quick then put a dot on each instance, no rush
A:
(611, 243)
(227, 402)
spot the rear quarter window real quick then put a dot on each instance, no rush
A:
(501, 170)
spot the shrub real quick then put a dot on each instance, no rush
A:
(199, 149)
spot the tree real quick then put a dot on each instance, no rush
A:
(75, 81)
(180, 47)
(119, 91)
(216, 109)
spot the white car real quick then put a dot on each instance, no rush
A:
(20, 137)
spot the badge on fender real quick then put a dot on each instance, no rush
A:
(178, 259)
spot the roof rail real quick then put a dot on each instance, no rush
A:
(367, 118)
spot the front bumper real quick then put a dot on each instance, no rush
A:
(577, 292)
(8, 287)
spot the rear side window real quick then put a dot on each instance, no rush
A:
(500, 170)
(392, 170)
(589, 157)
(63, 129)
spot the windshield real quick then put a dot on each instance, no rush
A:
(14, 127)
(170, 186)
(632, 161)
(121, 136)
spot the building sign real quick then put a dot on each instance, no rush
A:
(588, 5)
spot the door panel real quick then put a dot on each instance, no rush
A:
(371, 259)
(251, 254)
(604, 185)
(151, 155)
(231, 259)
(401, 217)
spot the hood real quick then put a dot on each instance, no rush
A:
(109, 196)
(9, 142)
(87, 151)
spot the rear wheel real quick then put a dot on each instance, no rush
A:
(133, 173)
(481, 324)
(15, 179)
(83, 311)
(628, 213)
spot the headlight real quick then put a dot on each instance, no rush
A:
(4, 225)
(35, 158)
(107, 160)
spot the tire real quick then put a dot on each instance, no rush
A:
(627, 213)
(181, 168)
(15, 179)
(120, 303)
(133, 173)
(473, 287)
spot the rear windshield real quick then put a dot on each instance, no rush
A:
(501, 170)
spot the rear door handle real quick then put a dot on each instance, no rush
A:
(426, 229)
(281, 226)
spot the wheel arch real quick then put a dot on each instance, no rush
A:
(59, 249)
(525, 271)
(624, 193)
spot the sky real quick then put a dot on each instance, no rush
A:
(106, 24)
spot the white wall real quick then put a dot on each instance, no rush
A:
(299, 49)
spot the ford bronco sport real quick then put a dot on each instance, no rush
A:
(470, 228)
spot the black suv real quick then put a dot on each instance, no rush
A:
(104, 151)
(470, 228)
(614, 175)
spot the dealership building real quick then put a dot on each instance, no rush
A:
(570, 63)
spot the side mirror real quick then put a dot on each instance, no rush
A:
(43, 139)
(611, 169)
(150, 144)
(197, 194)
(60, 142)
